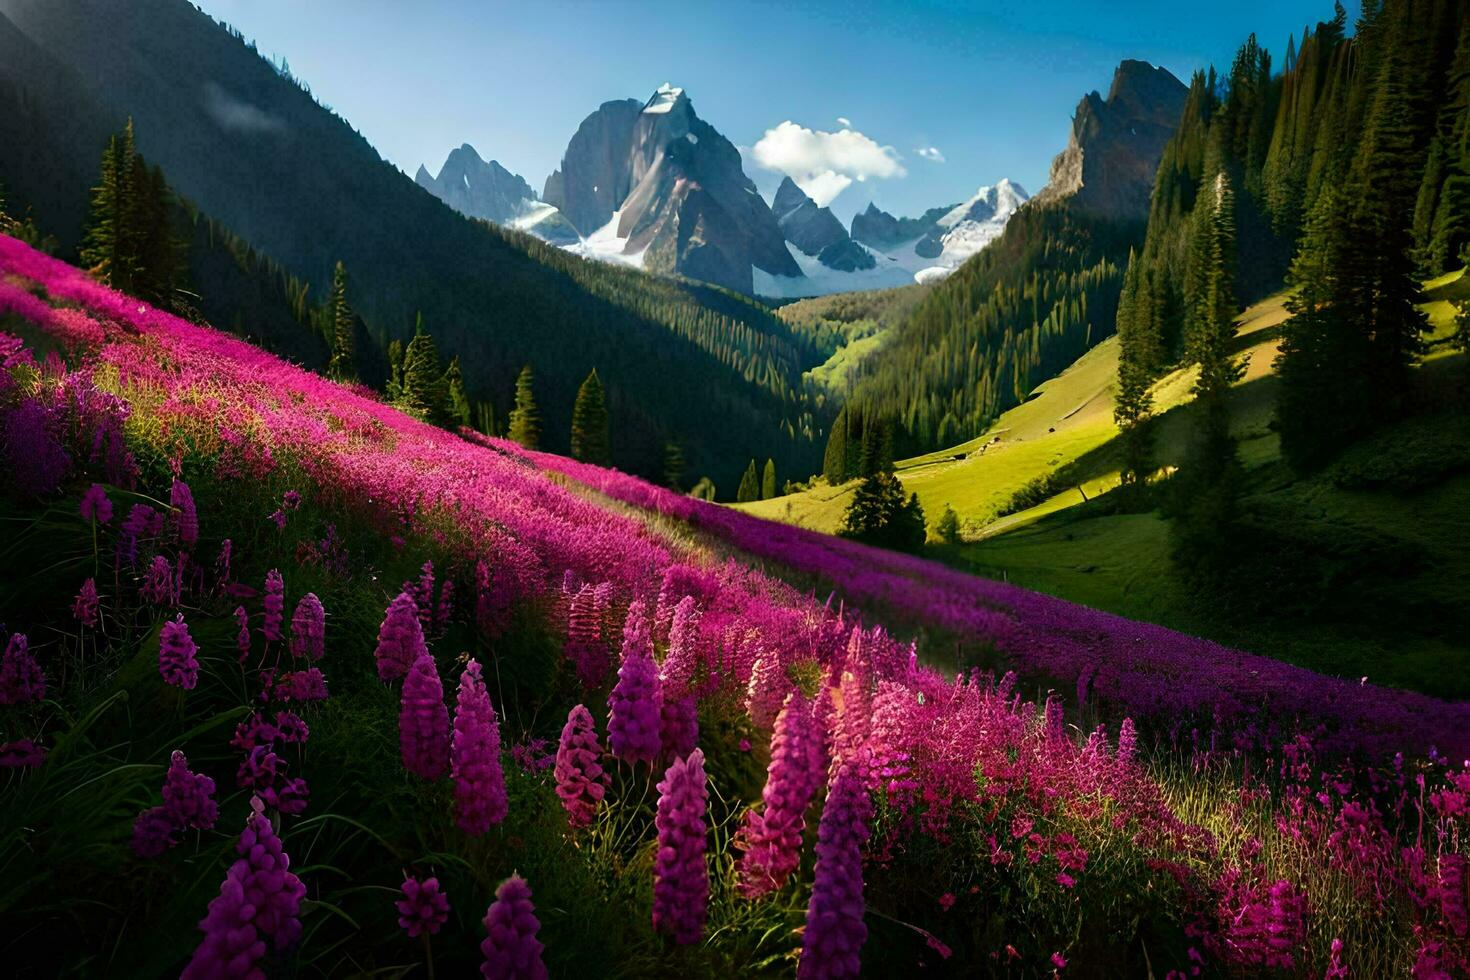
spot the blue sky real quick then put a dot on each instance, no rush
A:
(989, 86)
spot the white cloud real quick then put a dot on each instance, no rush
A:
(824, 164)
(232, 113)
(844, 122)
(930, 153)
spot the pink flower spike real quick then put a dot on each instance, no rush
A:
(680, 872)
(581, 782)
(400, 639)
(479, 781)
(510, 947)
(176, 655)
(423, 907)
(308, 628)
(423, 721)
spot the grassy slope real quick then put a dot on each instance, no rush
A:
(1120, 562)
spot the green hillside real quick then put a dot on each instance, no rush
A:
(1089, 552)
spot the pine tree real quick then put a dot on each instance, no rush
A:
(750, 486)
(343, 365)
(673, 466)
(106, 249)
(768, 480)
(525, 420)
(590, 438)
(457, 400)
(880, 515)
(421, 393)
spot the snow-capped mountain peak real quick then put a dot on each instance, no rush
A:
(664, 99)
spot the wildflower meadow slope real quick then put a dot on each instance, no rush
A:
(294, 684)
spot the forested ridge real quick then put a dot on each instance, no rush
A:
(683, 363)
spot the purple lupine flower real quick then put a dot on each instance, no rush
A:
(95, 505)
(186, 518)
(260, 768)
(633, 719)
(137, 525)
(24, 753)
(302, 685)
(253, 731)
(291, 500)
(581, 782)
(255, 912)
(423, 595)
(290, 729)
(84, 609)
(676, 673)
(678, 726)
(770, 841)
(1336, 968)
(767, 689)
(188, 797)
(153, 832)
(423, 721)
(308, 628)
(289, 796)
(176, 655)
(510, 947)
(835, 931)
(1127, 741)
(479, 782)
(37, 460)
(680, 874)
(584, 640)
(21, 678)
(400, 639)
(275, 605)
(1052, 725)
(158, 583)
(278, 518)
(242, 638)
(424, 908)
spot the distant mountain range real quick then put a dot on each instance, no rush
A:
(653, 186)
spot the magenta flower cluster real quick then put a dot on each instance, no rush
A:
(424, 908)
(423, 721)
(480, 801)
(308, 628)
(21, 678)
(510, 948)
(680, 873)
(188, 803)
(770, 840)
(581, 782)
(186, 515)
(634, 717)
(400, 639)
(176, 654)
(835, 932)
(256, 912)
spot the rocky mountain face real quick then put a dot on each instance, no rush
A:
(883, 231)
(675, 186)
(478, 189)
(805, 225)
(1109, 164)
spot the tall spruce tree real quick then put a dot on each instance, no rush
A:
(834, 460)
(343, 365)
(591, 442)
(768, 480)
(422, 391)
(525, 419)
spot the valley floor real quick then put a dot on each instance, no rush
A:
(1076, 546)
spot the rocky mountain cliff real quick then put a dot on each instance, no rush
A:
(1109, 163)
(478, 189)
(655, 185)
